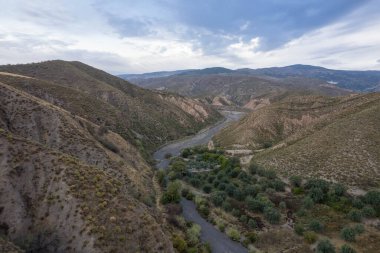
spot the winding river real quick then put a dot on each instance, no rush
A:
(218, 241)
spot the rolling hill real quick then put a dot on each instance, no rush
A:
(146, 118)
(333, 138)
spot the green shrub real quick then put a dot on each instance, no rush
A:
(161, 177)
(318, 183)
(308, 202)
(252, 224)
(238, 194)
(368, 212)
(272, 215)
(347, 249)
(172, 195)
(373, 198)
(221, 226)
(325, 246)
(317, 195)
(186, 153)
(278, 185)
(316, 226)
(235, 212)
(348, 234)
(282, 205)
(253, 168)
(299, 229)
(252, 190)
(296, 181)
(310, 237)
(192, 234)
(355, 215)
(357, 203)
(207, 188)
(233, 234)
(218, 197)
(244, 219)
(179, 244)
(359, 229)
(204, 210)
(297, 190)
(339, 190)
(257, 204)
(251, 237)
(227, 206)
(270, 174)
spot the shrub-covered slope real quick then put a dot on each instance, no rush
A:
(334, 138)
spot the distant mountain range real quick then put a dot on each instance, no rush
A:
(366, 81)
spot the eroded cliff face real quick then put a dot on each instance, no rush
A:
(68, 185)
(193, 107)
(254, 104)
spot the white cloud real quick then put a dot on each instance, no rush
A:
(78, 30)
(352, 42)
(245, 26)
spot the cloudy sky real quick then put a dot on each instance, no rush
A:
(135, 36)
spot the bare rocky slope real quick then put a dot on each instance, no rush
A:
(69, 185)
(333, 138)
(145, 118)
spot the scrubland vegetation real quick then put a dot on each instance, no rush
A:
(253, 205)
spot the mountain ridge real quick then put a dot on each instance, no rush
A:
(364, 80)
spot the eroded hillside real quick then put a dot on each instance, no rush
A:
(332, 138)
(146, 118)
(69, 185)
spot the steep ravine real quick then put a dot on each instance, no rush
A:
(218, 241)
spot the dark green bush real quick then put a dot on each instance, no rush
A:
(207, 188)
(338, 190)
(296, 181)
(297, 190)
(348, 234)
(252, 224)
(218, 197)
(243, 218)
(317, 195)
(308, 202)
(318, 183)
(253, 168)
(172, 193)
(272, 215)
(179, 244)
(310, 237)
(347, 249)
(368, 212)
(373, 198)
(325, 246)
(251, 237)
(355, 215)
(359, 229)
(316, 226)
(299, 229)
(227, 206)
(357, 203)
